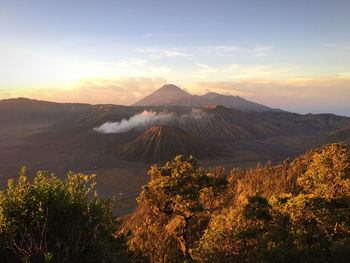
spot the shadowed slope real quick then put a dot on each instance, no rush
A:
(28, 110)
(342, 135)
(161, 143)
(236, 102)
(222, 123)
(190, 101)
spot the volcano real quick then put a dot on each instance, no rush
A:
(162, 143)
(163, 96)
(171, 95)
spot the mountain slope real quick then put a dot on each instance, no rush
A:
(218, 122)
(236, 102)
(190, 101)
(342, 135)
(162, 96)
(223, 123)
(28, 110)
(171, 95)
(161, 143)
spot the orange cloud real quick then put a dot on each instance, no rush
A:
(95, 91)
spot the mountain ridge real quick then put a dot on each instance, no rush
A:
(172, 95)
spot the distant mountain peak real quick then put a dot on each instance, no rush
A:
(163, 96)
(170, 87)
(212, 93)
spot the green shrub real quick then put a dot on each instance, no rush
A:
(53, 220)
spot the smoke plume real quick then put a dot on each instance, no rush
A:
(147, 119)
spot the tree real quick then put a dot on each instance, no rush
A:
(176, 191)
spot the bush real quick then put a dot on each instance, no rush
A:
(53, 220)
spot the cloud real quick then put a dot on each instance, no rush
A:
(236, 71)
(156, 53)
(229, 50)
(329, 45)
(258, 71)
(123, 91)
(164, 35)
(131, 62)
(205, 69)
(262, 49)
(344, 75)
(260, 54)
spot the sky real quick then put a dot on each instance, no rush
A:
(293, 55)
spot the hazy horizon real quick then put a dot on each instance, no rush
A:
(289, 55)
(67, 101)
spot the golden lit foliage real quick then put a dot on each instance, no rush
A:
(177, 203)
(302, 227)
(300, 214)
(328, 174)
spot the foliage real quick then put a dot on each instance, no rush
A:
(51, 220)
(298, 211)
(311, 226)
(328, 175)
(176, 205)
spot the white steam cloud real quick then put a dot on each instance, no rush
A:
(147, 119)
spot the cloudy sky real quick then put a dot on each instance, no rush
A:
(293, 55)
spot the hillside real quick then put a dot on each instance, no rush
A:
(342, 135)
(161, 143)
(218, 122)
(222, 123)
(28, 110)
(237, 103)
(215, 122)
(61, 137)
(190, 101)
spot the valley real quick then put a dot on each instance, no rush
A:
(61, 137)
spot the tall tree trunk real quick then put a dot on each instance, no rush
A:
(184, 240)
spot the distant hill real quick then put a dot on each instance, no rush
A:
(28, 110)
(342, 135)
(161, 143)
(171, 95)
